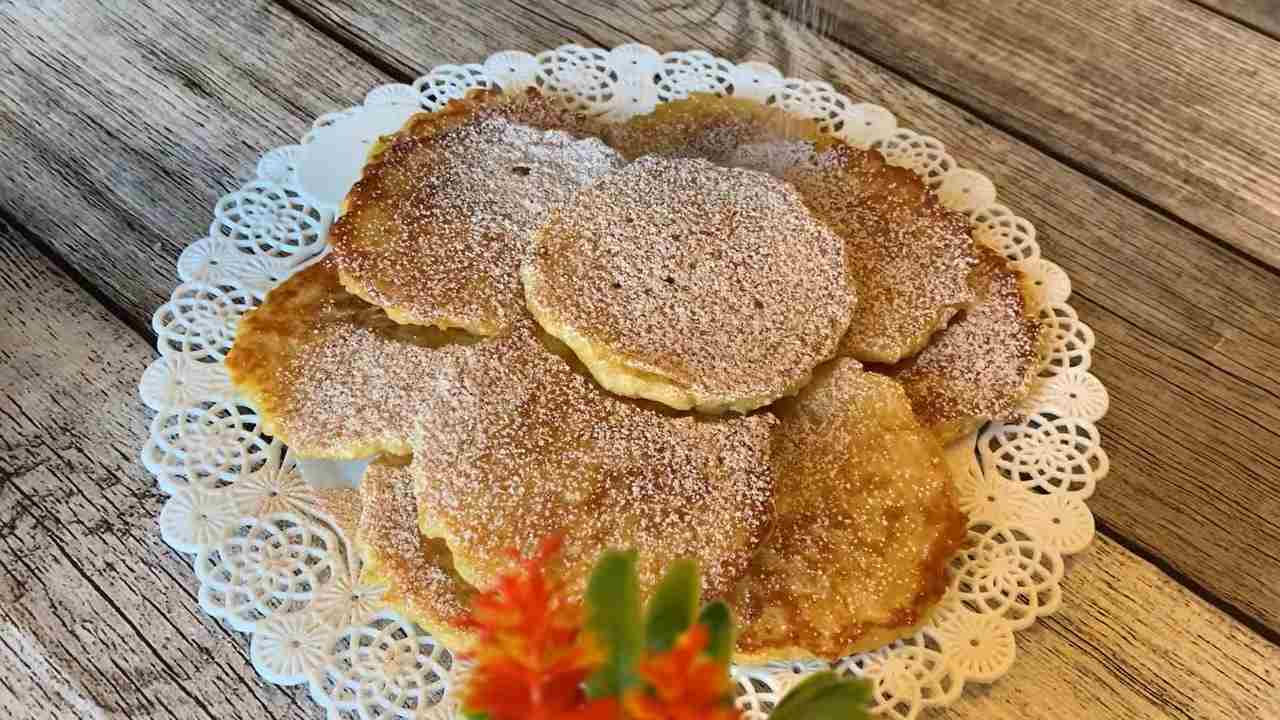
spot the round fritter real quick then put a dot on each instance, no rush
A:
(331, 375)
(710, 127)
(909, 257)
(691, 285)
(866, 521)
(417, 571)
(521, 447)
(981, 366)
(436, 228)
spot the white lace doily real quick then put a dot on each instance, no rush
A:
(271, 561)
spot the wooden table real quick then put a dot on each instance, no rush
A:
(1141, 136)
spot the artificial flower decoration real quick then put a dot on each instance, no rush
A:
(532, 657)
(541, 655)
(683, 683)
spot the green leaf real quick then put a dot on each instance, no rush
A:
(809, 688)
(825, 696)
(673, 607)
(613, 618)
(719, 620)
(475, 715)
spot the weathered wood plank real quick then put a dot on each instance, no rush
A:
(1164, 98)
(1130, 643)
(123, 123)
(98, 617)
(1095, 679)
(1188, 331)
(1264, 15)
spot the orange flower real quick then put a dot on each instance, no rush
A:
(532, 658)
(685, 684)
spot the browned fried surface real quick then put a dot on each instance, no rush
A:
(909, 256)
(417, 571)
(522, 447)
(982, 364)
(866, 520)
(708, 127)
(330, 374)
(436, 228)
(513, 442)
(714, 283)
(341, 505)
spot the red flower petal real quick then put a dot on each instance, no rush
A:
(532, 656)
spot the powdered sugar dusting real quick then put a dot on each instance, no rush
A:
(332, 375)
(866, 520)
(355, 388)
(709, 127)
(437, 227)
(420, 570)
(776, 158)
(716, 279)
(980, 366)
(518, 446)
(909, 256)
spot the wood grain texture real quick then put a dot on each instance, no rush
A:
(124, 122)
(1130, 644)
(1162, 97)
(98, 617)
(1262, 15)
(1187, 329)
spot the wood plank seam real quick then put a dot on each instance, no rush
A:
(1224, 606)
(1163, 216)
(124, 616)
(407, 74)
(168, 283)
(72, 519)
(601, 20)
(534, 11)
(347, 41)
(45, 249)
(829, 23)
(1120, 633)
(1238, 19)
(232, 635)
(824, 24)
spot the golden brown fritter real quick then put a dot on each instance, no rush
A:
(711, 128)
(981, 366)
(417, 571)
(520, 447)
(331, 375)
(436, 228)
(692, 285)
(909, 257)
(866, 521)
(513, 441)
